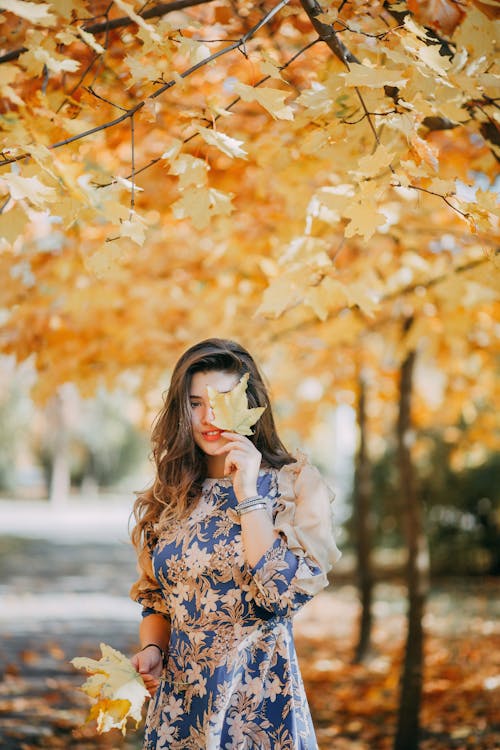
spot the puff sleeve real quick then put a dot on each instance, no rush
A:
(296, 566)
(146, 590)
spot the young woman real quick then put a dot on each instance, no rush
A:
(233, 537)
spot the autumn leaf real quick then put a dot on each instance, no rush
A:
(372, 165)
(35, 12)
(41, 53)
(118, 689)
(91, 41)
(31, 188)
(365, 219)
(226, 144)
(231, 408)
(271, 99)
(362, 75)
(442, 15)
(200, 204)
(135, 228)
(149, 30)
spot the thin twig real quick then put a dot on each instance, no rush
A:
(5, 204)
(132, 159)
(367, 115)
(103, 99)
(465, 214)
(373, 114)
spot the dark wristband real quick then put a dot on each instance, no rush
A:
(162, 652)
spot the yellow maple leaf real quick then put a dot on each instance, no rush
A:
(374, 164)
(118, 689)
(271, 99)
(30, 188)
(150, 30)
(38, 13)
(231, 408)
(365, 219)
(226, 144)
(362, 75)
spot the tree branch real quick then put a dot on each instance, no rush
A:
(132, 111)
(117, 23)
(327, 33)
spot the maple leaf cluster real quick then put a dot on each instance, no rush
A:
(117, 688)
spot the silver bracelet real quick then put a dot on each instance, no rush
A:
(255, 506)
(250, 501)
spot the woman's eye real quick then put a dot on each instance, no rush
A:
(194, 404)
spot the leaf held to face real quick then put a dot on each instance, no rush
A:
(118, 689)
(231, 409)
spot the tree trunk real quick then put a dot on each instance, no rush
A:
(60, 471)
(363, 530)
(407, 734)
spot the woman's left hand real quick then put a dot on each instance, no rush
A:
(243, 461)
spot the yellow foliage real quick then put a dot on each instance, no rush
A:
(331, 202)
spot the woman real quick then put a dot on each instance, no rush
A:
(233, 537)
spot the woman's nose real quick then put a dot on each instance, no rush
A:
(209, 415)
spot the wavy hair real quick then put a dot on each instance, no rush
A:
(180, 464)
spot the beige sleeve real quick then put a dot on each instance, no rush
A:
(146, 590)
(305, 518)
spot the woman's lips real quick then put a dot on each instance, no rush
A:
(211, 436)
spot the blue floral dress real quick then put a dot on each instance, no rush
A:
(232, 680)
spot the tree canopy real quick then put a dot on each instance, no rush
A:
(300, 177)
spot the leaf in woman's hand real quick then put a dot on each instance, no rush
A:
(231, 408)
(118, 688)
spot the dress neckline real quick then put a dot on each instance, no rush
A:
(227, 481)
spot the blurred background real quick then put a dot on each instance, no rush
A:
(68, 473)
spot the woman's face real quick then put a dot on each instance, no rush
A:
(206, 436)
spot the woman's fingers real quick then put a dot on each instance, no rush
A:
(151, 683)
(234, 459)
(228, 447)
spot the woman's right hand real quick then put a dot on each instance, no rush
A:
(149, 664)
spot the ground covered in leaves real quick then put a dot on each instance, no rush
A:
(354, 706)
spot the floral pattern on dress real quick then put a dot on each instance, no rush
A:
(231, 679)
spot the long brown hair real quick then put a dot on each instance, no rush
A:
(180, 464)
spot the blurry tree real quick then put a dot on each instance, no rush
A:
(15, 415)
(113, 446)
(363, 518)
(417, 573)
(92, 443)
(462, 507)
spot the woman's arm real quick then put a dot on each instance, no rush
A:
(257, 534)
(154, 634)
(243, 458)
(288, 563)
